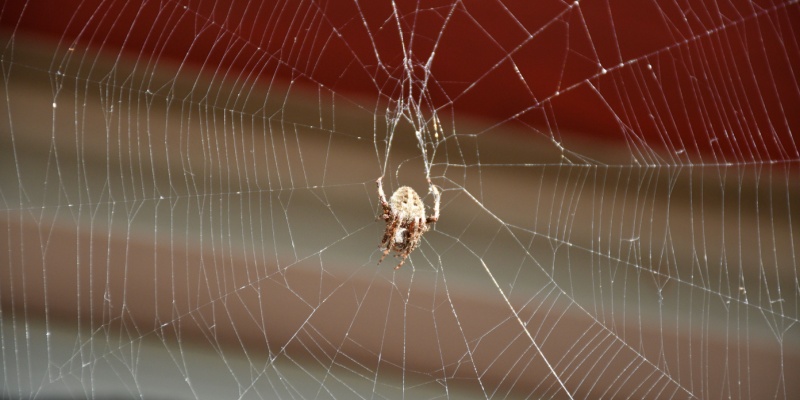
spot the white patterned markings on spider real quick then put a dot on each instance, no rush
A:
(404, 214)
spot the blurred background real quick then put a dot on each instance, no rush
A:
(189, 204)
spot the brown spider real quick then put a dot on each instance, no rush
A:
(404, 214)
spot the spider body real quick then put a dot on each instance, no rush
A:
(405, 218)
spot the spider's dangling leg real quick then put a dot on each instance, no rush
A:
(385, 252)
(437, 199)
(388, 239)
(401, 262)
(381, 194)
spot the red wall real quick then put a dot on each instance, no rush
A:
(717, 80)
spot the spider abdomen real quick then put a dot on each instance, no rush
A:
(407, 205)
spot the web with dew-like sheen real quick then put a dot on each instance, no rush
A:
(189, 204)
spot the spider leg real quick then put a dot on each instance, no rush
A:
(401, 262)
(381, 194)
(436, 201)
(415, 236)
(386, 214)
(388, 235)
(385, 252)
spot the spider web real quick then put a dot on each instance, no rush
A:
(189, 204)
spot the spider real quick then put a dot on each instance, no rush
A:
(404, 214)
